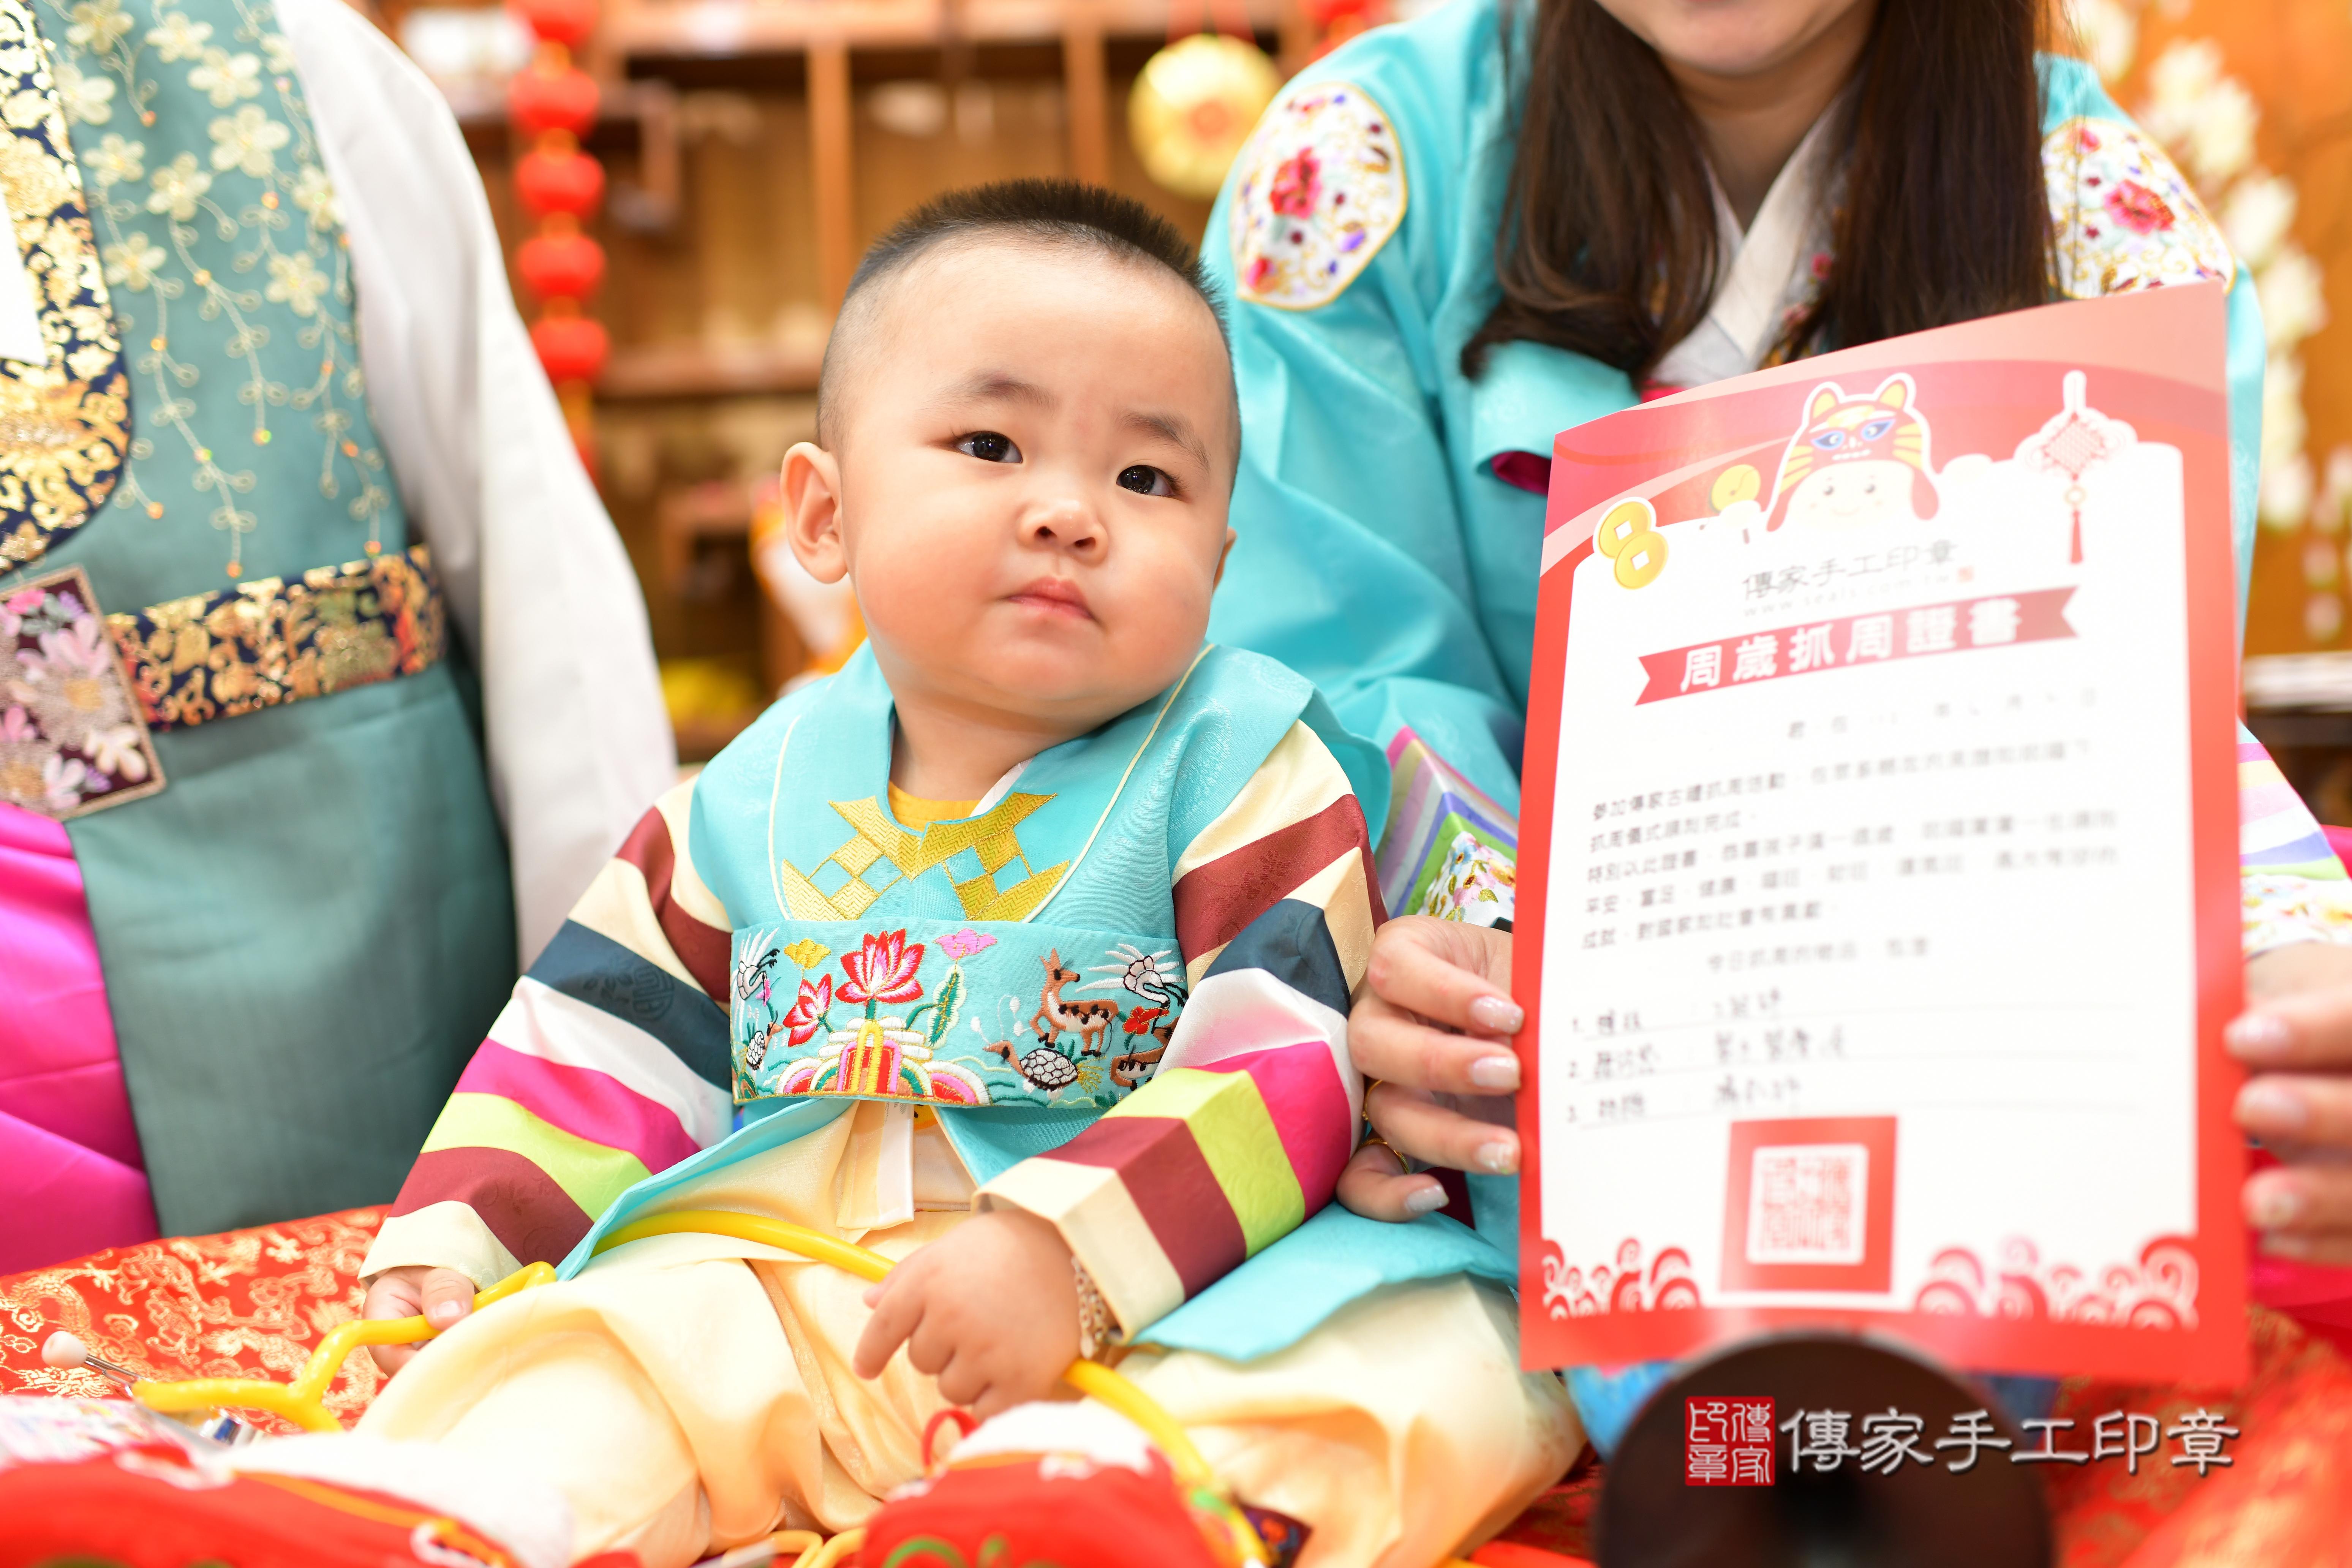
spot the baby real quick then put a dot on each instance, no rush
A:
(1019, 951)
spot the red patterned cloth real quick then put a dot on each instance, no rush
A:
(150, 1507)
(246, 1303)
(2286, 1498)
(254, 1303)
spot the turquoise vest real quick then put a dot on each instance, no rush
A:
(1017, 970)
(309, 930)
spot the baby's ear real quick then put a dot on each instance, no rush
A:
(811, 487)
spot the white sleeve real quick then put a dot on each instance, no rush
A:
(539, 584)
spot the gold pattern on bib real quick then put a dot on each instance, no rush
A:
(876, 840)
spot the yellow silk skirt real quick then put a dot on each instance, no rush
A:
(688, 1394)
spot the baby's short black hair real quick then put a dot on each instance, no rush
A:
(1043, 212)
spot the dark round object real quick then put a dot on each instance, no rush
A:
(1991, 1515)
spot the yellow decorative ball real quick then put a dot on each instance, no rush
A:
(1195, 104)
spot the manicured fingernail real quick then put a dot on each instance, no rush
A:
(2258, 1037)
(1500, 1073)
(1499, 1014)
(1425, 1200)
(2271, 1108)
(1501, 1157)
(2273, 1206)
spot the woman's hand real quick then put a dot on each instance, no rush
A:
(441, 1295)
(2295, 1039)
(1433, 1028)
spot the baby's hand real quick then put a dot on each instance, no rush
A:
(442, 1295)
(990, 1310)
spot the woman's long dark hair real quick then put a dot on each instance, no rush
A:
(1608, 244)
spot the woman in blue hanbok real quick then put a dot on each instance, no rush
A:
(1452, 239)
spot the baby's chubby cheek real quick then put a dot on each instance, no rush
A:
(1161, 622)
(920, 588)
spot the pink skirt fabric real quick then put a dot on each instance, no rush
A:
(68, 1152)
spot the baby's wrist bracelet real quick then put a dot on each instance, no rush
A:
(1097, 1325)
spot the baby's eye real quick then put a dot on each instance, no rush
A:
(1146, 480)
(989, 447)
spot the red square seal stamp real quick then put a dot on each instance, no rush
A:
(1810, 1205)
(1728, 1441)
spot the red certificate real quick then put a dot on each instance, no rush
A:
(1878, 908)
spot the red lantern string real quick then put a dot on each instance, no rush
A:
(553, 102)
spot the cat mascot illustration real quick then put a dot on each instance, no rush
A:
(1857, 461)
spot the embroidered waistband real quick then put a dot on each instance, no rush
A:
(256, 645)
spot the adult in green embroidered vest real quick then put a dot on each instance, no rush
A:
(266, 575)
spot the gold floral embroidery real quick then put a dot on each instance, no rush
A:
(239, 650)
(64, 424)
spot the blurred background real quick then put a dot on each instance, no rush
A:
(683, 187)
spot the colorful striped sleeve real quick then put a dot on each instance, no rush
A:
(1242, 1133)
(608, 1063)
(2291, 885)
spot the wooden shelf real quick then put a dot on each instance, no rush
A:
(654, 371)
(635, 36)
(723, 28)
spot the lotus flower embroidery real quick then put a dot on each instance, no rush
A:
(807, 1015)
(882, 970)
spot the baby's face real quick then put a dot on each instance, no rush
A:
(1036, 463)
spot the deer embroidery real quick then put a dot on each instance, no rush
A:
(1087, 1020)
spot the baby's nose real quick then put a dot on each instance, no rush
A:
(1067, 522)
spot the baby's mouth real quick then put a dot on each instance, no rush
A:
(1054, 597)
